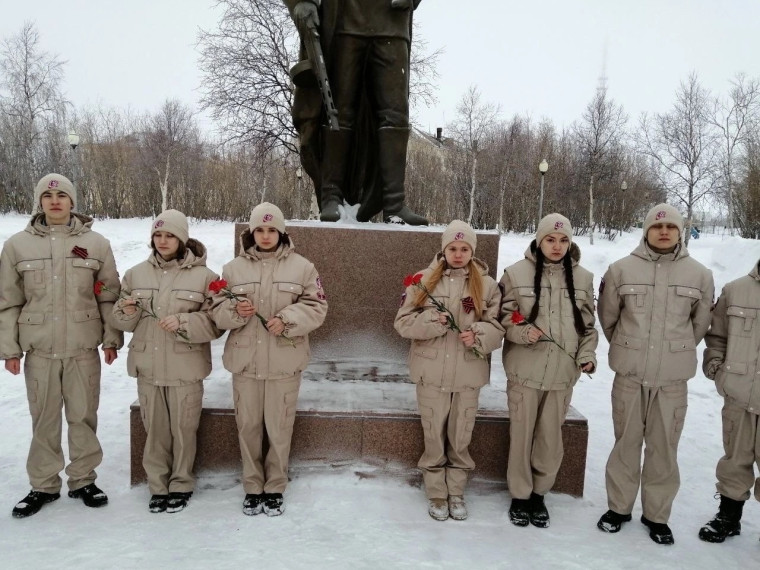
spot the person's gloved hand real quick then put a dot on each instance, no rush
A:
(305, 13)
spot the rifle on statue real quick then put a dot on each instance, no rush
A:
(305, 72)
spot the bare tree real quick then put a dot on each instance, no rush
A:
(474, 119)
(684, 146)
(31, 111)
(168, 134)
(599, 135)
(734, 117)
(246, 62)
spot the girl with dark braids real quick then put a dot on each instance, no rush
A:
(547, 303)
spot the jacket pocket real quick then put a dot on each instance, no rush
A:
(188, 301)
(31, 318)
(635, 297)
(33, 272)
(238, 353)
(627, 355)
(426, 352)
(135, 354)
(84, 271)
(87, 315)
(526, 298)
(682, 344)
(741, 321)
(288, 293)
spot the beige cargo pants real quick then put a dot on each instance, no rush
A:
(741, 443)
(74, 385)
(535, 438)
(652, 416)
(270, 405)
(171, 415)
(447, 422)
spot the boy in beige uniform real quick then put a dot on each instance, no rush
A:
(654, 307)
(49, 310)
(732, 359)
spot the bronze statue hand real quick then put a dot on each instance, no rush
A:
(305, 13)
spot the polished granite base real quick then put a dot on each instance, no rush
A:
(384, 440)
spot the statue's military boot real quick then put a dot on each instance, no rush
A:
(392, 143)
(337, 145)
(726, 523)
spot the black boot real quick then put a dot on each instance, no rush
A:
(337, 146)
(726, 523)
(519, 512)
(91, 495)
(32, 503)
(392, 143)
(612, 522)
(539, 515)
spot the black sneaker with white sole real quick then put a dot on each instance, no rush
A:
(273, 504)
(32, 503)
(253, 504)
(90, 495)
(157, 503)
(177, 501)
(659, 532)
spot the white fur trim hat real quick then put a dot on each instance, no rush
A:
(267, 215)
(172, 221)
(554, 223)
(55, 182)
(663, 214)
(458, 230)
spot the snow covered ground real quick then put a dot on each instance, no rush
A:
(337, 518)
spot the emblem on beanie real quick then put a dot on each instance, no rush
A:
(159, 223)
(267, 218)
(660, 215)
(459, 236)
(53, 184)
(559, 225)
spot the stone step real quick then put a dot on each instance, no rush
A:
(365, 422)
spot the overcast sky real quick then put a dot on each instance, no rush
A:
(540, 58)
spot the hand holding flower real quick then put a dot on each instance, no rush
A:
(128, 306)
(245, 308)
(170, 323)
(468, 338)
(275, 326)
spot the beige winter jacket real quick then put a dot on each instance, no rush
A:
(437, 356)
(733, 343)
(654, 310)
(177, 287)
(282, 284)
(47, 299)
(543, 365)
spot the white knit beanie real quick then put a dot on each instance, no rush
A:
(267, 215)
(554, 223)
(458, 230)
(55, 182)
(172, 221)
(663, 214)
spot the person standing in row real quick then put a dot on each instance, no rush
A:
(654, 307)
(49, 310)
(732, 359)
(449, 366)
(272, 299)
(169, 354)
(544, 355)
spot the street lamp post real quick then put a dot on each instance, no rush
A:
(74, 143)
(623, 188)
(542, 168)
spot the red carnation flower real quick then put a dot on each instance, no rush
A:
(99, 287)
(517, 318)
(216, 286)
